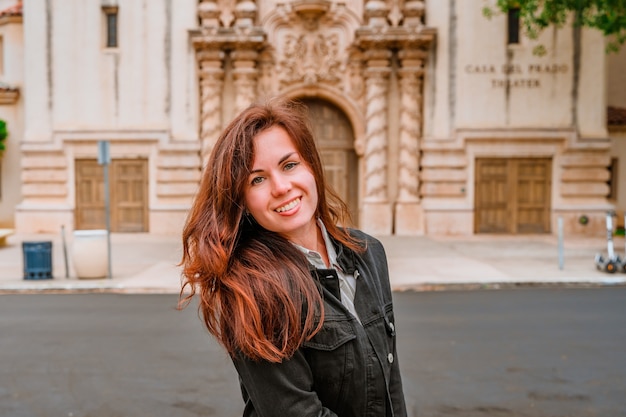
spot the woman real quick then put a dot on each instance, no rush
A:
(302, 306)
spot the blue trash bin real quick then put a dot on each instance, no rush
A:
(37, 260)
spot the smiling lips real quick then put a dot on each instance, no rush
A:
(288, 206)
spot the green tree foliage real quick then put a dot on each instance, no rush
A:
(607, 16)
(3, 135)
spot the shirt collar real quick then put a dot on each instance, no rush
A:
(314, 257)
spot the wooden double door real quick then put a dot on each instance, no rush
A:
(512, 195)
(128, 190)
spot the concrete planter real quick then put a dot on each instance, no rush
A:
(90, 254)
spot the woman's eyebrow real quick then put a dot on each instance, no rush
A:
(283, 159)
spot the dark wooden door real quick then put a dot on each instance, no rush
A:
(335, 139)
(512, 195)
(128, 180)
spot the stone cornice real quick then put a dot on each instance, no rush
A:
(229, 38)
(395, 37)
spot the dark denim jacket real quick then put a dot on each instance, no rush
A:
(347, 369)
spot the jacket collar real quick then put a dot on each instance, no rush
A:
(346, 258)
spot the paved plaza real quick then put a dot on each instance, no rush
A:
(147, 263)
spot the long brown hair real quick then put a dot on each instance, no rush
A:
(257, 296)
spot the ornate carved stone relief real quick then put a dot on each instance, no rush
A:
(310, 57)
(311, 46)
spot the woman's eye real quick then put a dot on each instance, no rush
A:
(256, 180)
(291, 165)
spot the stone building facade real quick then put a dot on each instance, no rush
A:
(429, 119)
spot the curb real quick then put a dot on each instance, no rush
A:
(417, 287)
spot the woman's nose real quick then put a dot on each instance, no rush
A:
(280, 185)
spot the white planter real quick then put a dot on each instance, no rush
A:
(90, 254)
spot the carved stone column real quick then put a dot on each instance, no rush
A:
(376, 12)
(227, 27)
(209, 14)
(409, 214)
(211, 83)
(377, 215)
(390, 26)
(245, 74)
(245, 13)
(413, 13)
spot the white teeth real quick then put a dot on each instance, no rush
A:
(289, 206)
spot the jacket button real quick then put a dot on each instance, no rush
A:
(390, 358)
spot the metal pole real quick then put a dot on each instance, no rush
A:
(107, 210)
(609, 234)
(104, 159)
(67, 269)
(560, 232)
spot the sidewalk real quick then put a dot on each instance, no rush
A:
(146, 263)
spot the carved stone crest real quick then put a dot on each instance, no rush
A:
(311, 40)
(310, 57)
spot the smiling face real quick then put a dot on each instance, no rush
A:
(281, 191)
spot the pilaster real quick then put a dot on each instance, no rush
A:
(211, 83)
(245, 74)
(392, 27)
(377, 213)
(409, 213)
(226, 28)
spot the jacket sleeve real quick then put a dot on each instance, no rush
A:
(279, 389)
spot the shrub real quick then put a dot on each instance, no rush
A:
(3, 135)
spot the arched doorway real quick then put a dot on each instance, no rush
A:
(335, 139)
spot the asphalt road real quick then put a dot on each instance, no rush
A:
(523, 353)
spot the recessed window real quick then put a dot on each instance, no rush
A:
(110, 26)
(513, 26)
